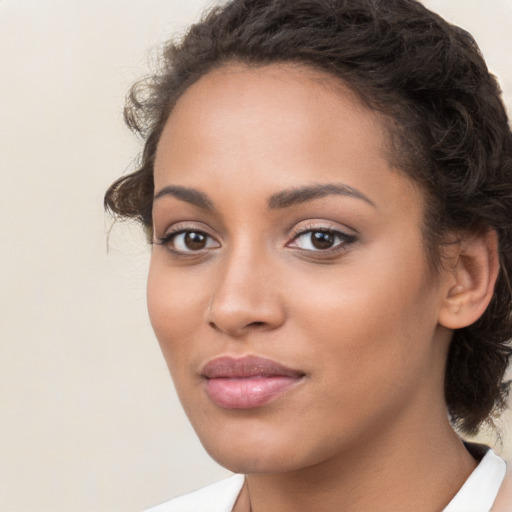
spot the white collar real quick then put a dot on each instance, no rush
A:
(481, 488)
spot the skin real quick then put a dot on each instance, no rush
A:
(366, 428)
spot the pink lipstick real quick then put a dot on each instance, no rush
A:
(247, 382)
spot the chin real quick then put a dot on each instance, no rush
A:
(261, 449)
(253, 461)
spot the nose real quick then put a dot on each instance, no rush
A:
(246, 296)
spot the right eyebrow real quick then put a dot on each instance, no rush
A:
(189, 195)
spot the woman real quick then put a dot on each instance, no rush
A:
(327, 185)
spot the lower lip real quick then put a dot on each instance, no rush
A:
(247, 392)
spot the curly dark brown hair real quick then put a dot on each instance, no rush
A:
(448, 130)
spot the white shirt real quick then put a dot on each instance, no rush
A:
(481, 488)
(476, 495)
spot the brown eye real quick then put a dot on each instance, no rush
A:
(194, 241)
(318, 240)
(182, 242)
(322, 239)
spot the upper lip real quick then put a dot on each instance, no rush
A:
(229, 367)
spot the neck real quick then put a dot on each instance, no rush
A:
(397, 471)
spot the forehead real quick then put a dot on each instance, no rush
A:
(248, 104)
(280, 124)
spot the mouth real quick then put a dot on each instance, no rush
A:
(247, 382)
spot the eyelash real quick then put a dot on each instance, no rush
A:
(343, 240)
(167, 240)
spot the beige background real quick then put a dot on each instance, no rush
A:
(89, 421)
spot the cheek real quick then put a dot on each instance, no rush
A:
(372, 324)
(175, 309)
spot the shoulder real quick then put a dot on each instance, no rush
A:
(503, 501)
(217, 497)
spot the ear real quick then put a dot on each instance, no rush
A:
(470, 278)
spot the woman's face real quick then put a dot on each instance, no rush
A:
(289, 287)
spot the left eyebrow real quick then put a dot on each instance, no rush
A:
(300, 195)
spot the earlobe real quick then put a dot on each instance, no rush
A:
(470, 280)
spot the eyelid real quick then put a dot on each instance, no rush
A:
(181, 226)
(185, 227)
(343, 237)
(346, 238)
(321, 225)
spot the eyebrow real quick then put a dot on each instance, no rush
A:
(283, 199)
(296, 196)
(189, 195)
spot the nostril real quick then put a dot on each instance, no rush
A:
(213, 325)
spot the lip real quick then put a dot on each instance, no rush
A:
(247, 382)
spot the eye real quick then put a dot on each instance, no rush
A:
(321, 240)
(188, 241)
